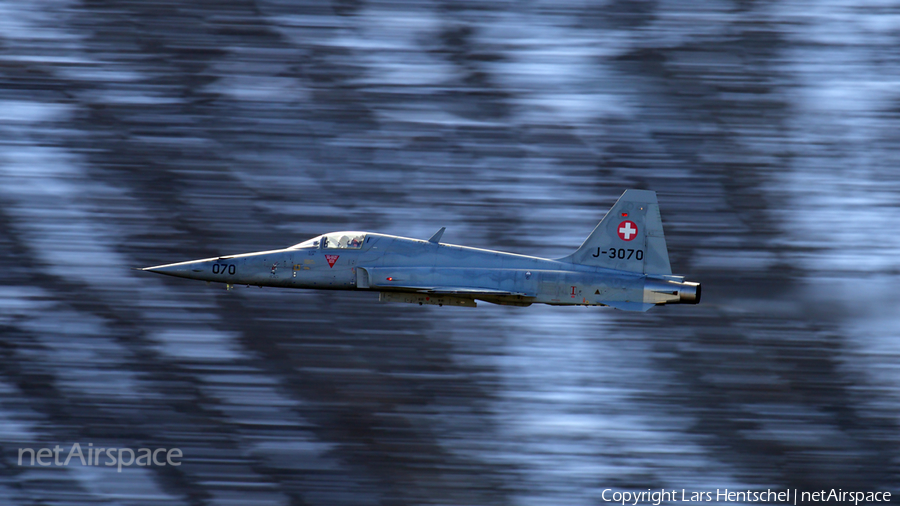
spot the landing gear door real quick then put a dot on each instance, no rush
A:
(362, 277)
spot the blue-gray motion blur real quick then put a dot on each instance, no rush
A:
(141, 132)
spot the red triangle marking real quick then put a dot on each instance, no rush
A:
(331, 259)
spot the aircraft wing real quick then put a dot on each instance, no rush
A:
(453, 290)
(438, 281)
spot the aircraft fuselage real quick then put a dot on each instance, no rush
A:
(387, 264)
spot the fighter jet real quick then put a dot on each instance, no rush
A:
(623, 264)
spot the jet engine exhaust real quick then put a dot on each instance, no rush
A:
(659, 291)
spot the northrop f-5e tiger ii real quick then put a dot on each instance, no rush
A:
(623, 264)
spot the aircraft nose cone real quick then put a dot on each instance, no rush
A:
(181, 270)
(165, 269)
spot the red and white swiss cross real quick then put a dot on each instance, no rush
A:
(627, 230)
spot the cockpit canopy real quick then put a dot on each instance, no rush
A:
(335, 240)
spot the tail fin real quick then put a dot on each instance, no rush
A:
(629, 238)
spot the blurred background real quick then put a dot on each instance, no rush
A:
(136, 133)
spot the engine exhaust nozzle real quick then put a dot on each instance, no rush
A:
(660, 291)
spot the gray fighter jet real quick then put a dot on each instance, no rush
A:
(623, 264)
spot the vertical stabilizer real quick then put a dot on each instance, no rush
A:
(629, 238)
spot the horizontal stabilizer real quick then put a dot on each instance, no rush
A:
(628, 306)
